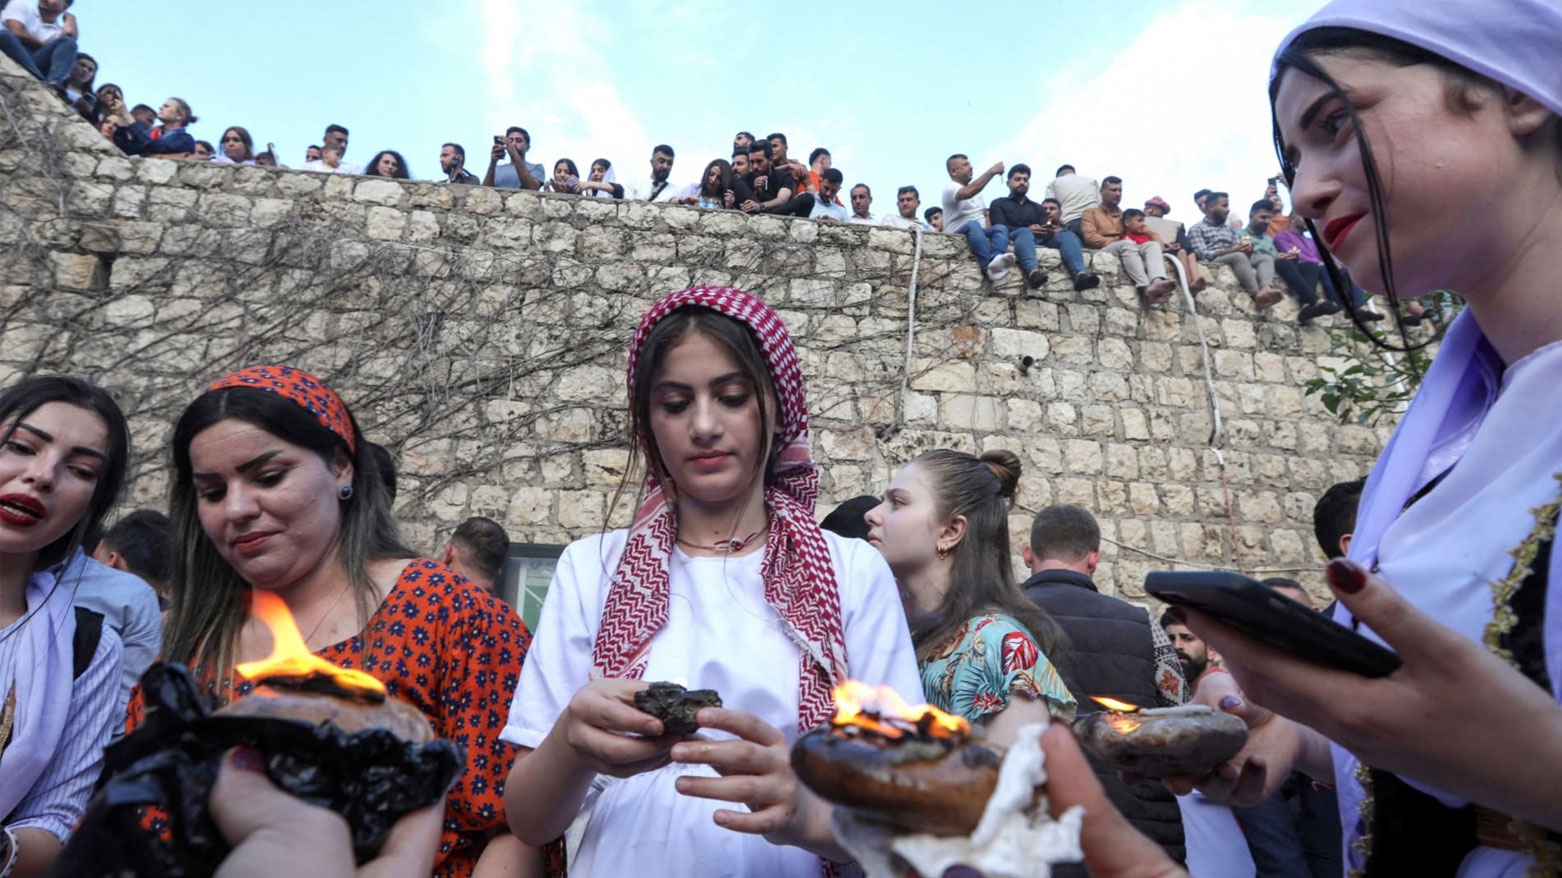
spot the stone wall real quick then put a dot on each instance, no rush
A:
(481, 334)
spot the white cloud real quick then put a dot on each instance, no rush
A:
(1183, 107)
(546, 72)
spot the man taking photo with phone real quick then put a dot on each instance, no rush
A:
(518, 173)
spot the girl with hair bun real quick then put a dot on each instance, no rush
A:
(944, 529)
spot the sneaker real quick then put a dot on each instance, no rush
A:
(1003, 262)
(1317, 309)
(1086, 281)
(1036, 278)
(1267, 298)
(996, 274)
(1159, 290)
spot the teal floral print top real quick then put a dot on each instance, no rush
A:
(988, 657)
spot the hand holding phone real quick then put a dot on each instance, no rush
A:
(1259, 611)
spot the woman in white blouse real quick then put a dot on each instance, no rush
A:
(724, 581)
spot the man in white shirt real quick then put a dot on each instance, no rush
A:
(1076, 194)
(335, 138)
(658, 188)
(862, 200)
(907, 201)
(826, 205)
(965, 213)
(41, 36)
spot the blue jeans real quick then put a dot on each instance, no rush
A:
(1024, 245)
(1069, 247)
(51, 62)
(976, 236)
(1357, 300)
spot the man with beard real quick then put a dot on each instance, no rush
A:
(1056, 234)
(452, 160)
(658, 187)
(1192, 653)
(768, 189)
(1214, 241)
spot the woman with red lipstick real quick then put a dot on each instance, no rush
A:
(63, 448)
(273, 489)
(724, 581)
(1425, 141)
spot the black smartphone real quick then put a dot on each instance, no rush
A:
(498, 140)
(1259, 611)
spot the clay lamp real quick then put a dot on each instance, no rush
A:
(1162, 741)
(913, 767)
(293, 683)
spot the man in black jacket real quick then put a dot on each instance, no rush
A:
(1115, 650)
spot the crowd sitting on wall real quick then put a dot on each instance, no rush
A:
(761, 177)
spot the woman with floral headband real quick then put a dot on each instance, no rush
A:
(273, 490)
(724, 581)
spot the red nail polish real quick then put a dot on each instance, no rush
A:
(1347, 576)
(248, 759)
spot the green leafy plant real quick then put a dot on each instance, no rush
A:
(1374, 382)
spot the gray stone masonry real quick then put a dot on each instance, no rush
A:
(481, 335)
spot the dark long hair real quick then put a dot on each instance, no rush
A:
(25, 398)
(722, 185)
(569, 163)
(243, 133)
(401, 165)
(1301, 55)
(739, 341)
(208, 605)
(982, 581)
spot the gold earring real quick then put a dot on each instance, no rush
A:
(943, 553)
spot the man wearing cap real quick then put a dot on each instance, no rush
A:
(1176, 244)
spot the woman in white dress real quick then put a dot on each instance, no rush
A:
(724, 581)
(1433, 132)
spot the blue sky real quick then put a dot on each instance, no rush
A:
(1170, 95)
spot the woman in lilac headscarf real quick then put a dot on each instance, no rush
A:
(1423, 142)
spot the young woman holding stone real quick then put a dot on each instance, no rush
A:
(723, 581)
(273, 489)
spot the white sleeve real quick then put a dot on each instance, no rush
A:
(878, 640)
(559, 660)
(951, 200)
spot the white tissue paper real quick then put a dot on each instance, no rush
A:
(1012, 840)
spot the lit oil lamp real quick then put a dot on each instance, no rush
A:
(914, 767)
(1162, 741)
(328, 735)
(294, 683)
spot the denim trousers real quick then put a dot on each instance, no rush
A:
(51, 62)
(981, 244)
(1024, 245)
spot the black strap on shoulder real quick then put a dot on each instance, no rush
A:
(89, 630)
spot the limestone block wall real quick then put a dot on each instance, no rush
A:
(481, 335)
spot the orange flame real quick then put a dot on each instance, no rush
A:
(289, 656)
(881, 710)
(1114, 704)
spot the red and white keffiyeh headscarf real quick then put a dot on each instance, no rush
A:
(799, 577)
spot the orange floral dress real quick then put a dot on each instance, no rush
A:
(454, 651)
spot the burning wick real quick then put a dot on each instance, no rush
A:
(881, 710)
(293, 665)
(1160, 741)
